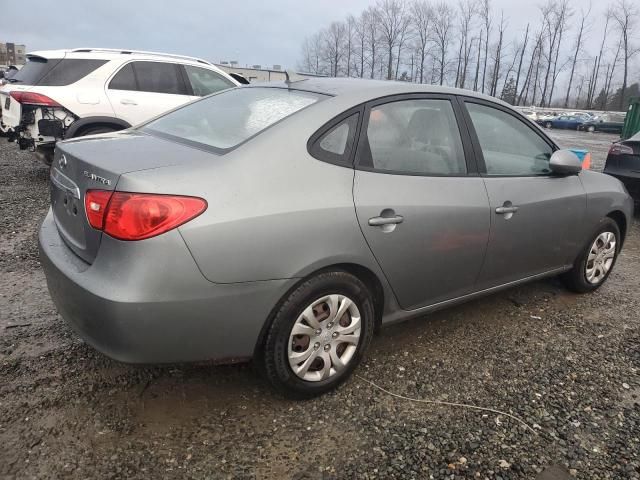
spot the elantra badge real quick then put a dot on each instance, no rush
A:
(97, 178)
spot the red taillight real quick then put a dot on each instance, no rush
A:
(619, 149)
(136, 216)
(32, 98)
(95, 204)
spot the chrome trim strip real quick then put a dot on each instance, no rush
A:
(63, 182)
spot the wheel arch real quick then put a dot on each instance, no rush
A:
(90, 122)
(364, 274)
(621, 220)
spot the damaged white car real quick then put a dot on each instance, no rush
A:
(63, 94)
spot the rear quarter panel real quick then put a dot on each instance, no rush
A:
(273, 211)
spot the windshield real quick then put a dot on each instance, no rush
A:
(225, 120)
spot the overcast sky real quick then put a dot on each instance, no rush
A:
(249, 31)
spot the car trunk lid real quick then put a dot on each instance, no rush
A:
(98, 162)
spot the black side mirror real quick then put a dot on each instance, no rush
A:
(565, 162)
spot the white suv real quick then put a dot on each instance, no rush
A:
(62, 94)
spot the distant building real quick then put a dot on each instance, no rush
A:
(12, 54)
(257, 74)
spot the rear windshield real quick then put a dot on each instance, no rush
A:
(224, 120)
(55, 72)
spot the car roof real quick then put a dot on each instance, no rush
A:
(365, 89)
(112, 54)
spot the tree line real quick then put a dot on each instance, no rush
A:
(465, 45)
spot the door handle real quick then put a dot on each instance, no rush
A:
(126, 101)
(381, 221)
(503, 210)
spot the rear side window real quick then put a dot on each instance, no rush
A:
(125, 79)
(69, 71)
(335, 144)
(223, 121)
(56, 72)
(159, 77)
(34, 70)
(205, 82)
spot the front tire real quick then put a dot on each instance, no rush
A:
(594, 265)
(548, 125)
(591, 128)
(319, 335)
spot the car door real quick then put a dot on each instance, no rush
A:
(419, 201)
(535, 215)
(140, 90)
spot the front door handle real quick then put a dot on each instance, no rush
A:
(381, 221)
(126, 101)
(503, 210)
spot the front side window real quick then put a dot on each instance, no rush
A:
(418, 136)
(509, 146)
(225, 120)
(205, 82)
(159, 77)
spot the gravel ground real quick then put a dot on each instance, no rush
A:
(566, 365)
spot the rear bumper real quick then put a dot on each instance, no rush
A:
(151, 304)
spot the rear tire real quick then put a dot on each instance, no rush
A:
(591, 128)
(319, 335)
(597, 259)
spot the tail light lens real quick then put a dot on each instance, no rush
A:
(32, 98)
(620, 149)
(136, 216)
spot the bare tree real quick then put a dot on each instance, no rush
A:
(496, 64)
(616, 58)
(563, 16)
(391, 15)
(466, 45)
(475, 80)
(485, 13)
(334, 39)
(421, 14)
(372, 22)
(403, 33)
(442, 25)
(625, 16)
(598, 61)
(467, 10)
(578, 46)
(522, 52)
(360, 41)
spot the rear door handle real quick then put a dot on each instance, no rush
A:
(381, 221)
(126, 101)
(503, 210)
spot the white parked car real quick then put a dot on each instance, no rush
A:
(62, 94)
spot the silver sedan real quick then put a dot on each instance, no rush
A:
(287, 222)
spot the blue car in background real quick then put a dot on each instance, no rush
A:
(571, 122)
